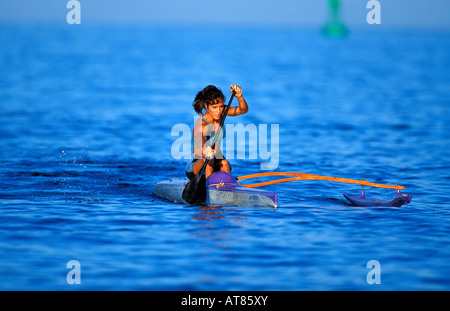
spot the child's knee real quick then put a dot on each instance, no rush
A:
(225, 165)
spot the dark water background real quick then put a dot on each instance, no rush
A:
(85, 132)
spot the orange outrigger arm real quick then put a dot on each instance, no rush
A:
(302, 176)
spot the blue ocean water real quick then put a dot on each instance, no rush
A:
(85, 126)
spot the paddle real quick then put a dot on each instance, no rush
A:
(195, 190)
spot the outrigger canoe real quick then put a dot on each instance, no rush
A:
(222, 190)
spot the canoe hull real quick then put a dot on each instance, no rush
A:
(222, 190)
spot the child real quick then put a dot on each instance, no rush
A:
(212, 99)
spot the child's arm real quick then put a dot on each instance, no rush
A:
(243, 107)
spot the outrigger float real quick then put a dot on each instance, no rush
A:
(224, 190)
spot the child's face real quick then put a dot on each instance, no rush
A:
(215, 110)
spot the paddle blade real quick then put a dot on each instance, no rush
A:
(195, 190)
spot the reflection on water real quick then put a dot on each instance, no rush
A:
(215, 222)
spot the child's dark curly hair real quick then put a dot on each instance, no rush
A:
(209, 95)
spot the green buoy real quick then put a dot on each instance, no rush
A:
(334, 27)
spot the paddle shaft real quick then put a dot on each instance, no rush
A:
(222, 121)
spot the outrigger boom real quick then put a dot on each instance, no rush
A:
(302, 176)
